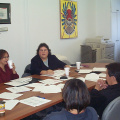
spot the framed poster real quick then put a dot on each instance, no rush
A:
(68, 19)
(5, 14)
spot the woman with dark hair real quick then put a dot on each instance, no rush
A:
(76, 97)
(44, 62)
(6, 74)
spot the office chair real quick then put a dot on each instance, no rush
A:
(63, 59)
(27, 71)
(105, 61)
(87, 54)
(112, 111)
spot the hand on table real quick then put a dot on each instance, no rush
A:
(101, 84)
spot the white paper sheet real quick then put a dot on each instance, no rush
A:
(18, 82)
(10, 104)
(51, 89)
(99, 69)
(102, 75)
(34, 101)
(50, 81)
(85, 71)
(18, 89)
(7, 95)
(81, 78)
(48, 89)
(92, 77)
(60, 85)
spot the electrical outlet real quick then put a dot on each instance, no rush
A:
(3, 29)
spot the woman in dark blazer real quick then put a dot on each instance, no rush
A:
(44, 62)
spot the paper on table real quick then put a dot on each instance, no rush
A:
(102, 75)
(51, 89)
(81, 78)
(39, 88)
(92, 77)
(20, 81)
(60, 86)
(50, 81)
(10, 104)
(48, 89)
(18, 89)
(35, 85)
(7, 95)
(34, 101)
(85, 71)
(99, 69)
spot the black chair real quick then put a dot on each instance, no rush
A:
(27, 71)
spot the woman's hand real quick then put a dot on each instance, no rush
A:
(13, 69)
(50, 72)
(47, 72)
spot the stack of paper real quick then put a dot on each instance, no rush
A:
(34, 101)
(7, 95)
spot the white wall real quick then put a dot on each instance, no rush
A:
(103, 18)
(36, 21)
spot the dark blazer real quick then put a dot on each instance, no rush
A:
(100, 99)
(37, 64)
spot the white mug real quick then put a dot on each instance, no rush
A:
(10, 64)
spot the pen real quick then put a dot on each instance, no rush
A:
(41, 97)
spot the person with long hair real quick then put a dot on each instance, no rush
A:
(6, 74)
(76, 97)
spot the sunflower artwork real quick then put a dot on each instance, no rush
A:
(68, 19)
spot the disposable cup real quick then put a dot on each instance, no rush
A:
(78, 65)
(10, 64)
(67, 71)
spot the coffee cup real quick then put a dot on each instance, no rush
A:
(2, 108)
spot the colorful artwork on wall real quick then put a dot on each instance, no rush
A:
(68, 19)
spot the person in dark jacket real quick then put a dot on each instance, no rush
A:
(76, 97)
(44, 62)
(104, 93)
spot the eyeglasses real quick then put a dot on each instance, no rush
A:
(5, 57)
(43, 50)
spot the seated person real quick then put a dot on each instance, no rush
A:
(104, 93)
(44, 62)
(6, 74)
(76, 97)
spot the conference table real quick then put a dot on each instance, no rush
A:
(21, 111)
